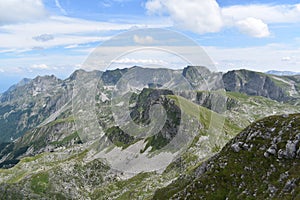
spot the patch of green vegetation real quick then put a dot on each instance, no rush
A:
(17, 177)
(280, 83)
(32, 158)
(118, 137)
(172, 189)
(156, 142)
(206, 116)
(133, 98)
(237, 95)
(67, 139)
(60, 121)
(40, 183)
(122, 190)
(193, 110)
(231, 129)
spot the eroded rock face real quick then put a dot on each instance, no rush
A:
(254, 84)
(235, 147)
(201, 78)
(141, 114)
(27, 104)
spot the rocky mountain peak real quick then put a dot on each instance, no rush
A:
(193, 73)
(23, 82)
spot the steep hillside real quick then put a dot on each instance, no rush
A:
(27, 104)
(60, 133)
(259, 84)
(201, 78)
(262, 162)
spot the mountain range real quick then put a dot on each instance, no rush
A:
(151, 134)
(282, 73)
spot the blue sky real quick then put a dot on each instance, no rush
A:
(39, 37)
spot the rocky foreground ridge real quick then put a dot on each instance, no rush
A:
(262, 162)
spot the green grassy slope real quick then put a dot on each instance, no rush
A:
(244, 169)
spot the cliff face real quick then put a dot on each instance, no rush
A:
(30, 102)
(279, 88)
(254, 84)
(141, 114)
(201, 78)
(25, 106)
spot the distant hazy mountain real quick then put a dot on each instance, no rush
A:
(24, 81)
(282, 73)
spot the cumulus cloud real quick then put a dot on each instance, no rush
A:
(253, 27)
(199, 17)
(154, 6)
(265, 12)
(12, 11)
(208, 16)
(144, 40)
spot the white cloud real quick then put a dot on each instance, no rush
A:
(7, 50)
(265, 12)
(67, 31)
(106, 4)
(258, 58)
(72, 46)
(253, 27)
(154, 6)
(40, 66)
(58, 5)
(144, 40)
(208, 16)
(192, 15)
(12, 11)
(132, 61)
(286, 59)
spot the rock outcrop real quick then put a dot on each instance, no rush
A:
(262, 162)
(254, 84)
